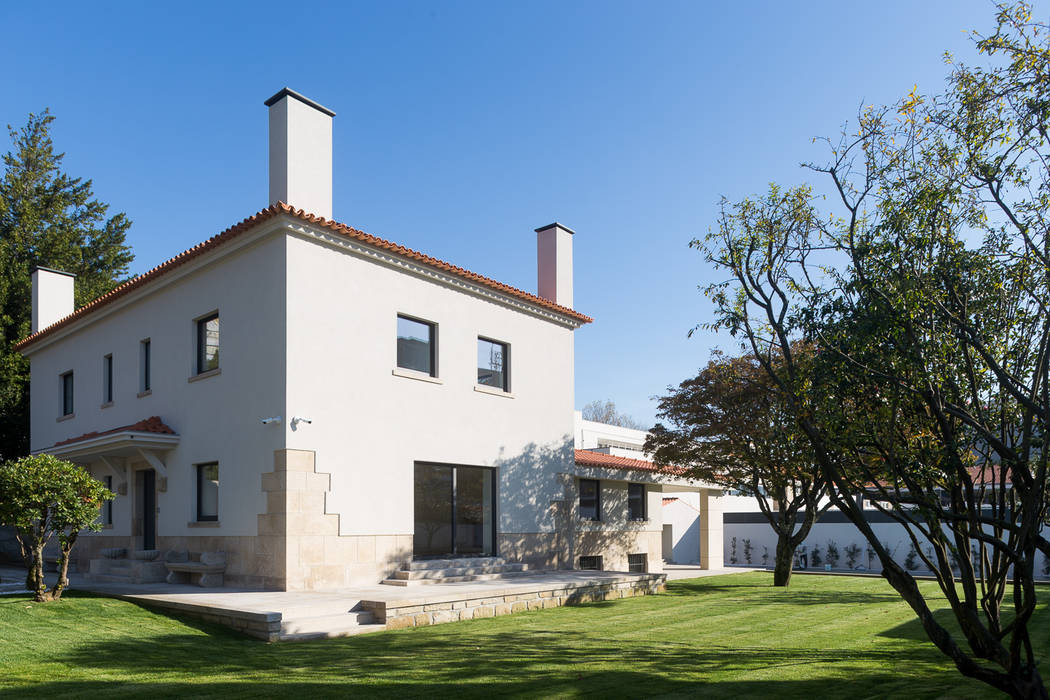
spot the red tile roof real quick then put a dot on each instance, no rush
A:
(269, 213)
(153, 424)
(586, 458)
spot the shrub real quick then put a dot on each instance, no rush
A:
(852, 555)
(871, 555)
(42, 497)
(765, 555)
(747, 552)
(833, 554)
(814, 558)
(732, 551)
(1046, 565)
(911, 560)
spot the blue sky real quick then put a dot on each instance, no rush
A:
(463, 126)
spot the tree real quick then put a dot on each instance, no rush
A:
(730, 426)
(43, 497)
(928, 299)
(605, 412)
(52, 220)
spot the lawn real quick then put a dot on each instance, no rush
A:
(726, 636)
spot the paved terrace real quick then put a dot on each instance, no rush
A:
(293, 615)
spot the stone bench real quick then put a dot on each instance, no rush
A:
(209, 569)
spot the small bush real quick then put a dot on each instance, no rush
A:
(1046, 565)
(765, 555)
(871, 555)
(832, 554)
(814, 557)
(747, 552)
(911, 560)
(732, 551)
(852, 555)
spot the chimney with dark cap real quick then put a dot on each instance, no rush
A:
(300, 153)
(554, 263)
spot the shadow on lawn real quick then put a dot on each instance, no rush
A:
(468, 663)
(784, 596)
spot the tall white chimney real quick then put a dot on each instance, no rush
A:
(300, 153)
(554, 263)
(52, 297)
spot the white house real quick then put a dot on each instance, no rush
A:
(323, 405)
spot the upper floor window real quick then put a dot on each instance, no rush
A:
(107, 379)
(208, 492)
(144, 364)
(67, 394)
(590, 500)
(417, 345)
(636, 501)
(493, 364)
(107, 505)
(208, 343)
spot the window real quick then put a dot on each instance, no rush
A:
(208, 492)
(590, 500)
(67, 394)
(637, 563)
(636, 501)
(416, 345)
(591, 563)
(208, 343)
(107, 506)
(107, 379)
(493, 364)
(144, 363)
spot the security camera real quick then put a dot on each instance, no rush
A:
(299, 419)
(274, 419)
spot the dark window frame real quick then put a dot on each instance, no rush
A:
(631, 515)
(591, 562)
(505, 386)
(145, 349)
(597, 516)
(201, 517)
(107, 378)
(638, 563)
(66, 382)
(432, 343)
(107, 505)
(202, 343)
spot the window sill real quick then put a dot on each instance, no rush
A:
(107, 404)
(108, 526)
(413, 374)
(493, 391)
(204, 523)
(69, 416)
(204, 375)
(144, 394)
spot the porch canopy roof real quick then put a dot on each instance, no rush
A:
(600, 465)
(146, 436)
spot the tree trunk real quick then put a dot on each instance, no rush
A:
(785, 560)
(35, 580)
(63, 568)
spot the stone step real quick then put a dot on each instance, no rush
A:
(329, 626)
(459, 571)
(459, 562)
(109, 578)
(455, 579)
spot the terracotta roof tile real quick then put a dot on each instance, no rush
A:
(269, 213)
(587, 458)
(153, 424)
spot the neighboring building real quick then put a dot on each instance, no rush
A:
(323, 405)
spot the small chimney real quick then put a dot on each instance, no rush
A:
(52, 297)
(300, 153)
(554, 263)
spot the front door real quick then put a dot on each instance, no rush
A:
(149, 509)
(455, 511)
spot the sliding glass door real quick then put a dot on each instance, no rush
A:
(455, 511)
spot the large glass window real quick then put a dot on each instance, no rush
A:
(208, 343)
(493, 364)
(416, 345)
(455, 512)
(208, 492)
(67, 394)
(636, 501)
(590, 500)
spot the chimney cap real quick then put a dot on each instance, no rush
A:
(51, 269)
(563, 227)
(288, 92)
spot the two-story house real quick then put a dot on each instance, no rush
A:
(319, 403)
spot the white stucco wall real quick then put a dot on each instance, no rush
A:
(370, 426)
(218, 418)
(683, 514)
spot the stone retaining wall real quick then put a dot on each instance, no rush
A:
(436, 613)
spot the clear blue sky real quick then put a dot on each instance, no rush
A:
(463, 126)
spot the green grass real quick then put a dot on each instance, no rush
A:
(726, 636)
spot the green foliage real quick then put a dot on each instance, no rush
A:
(853, 552)
(815, 560)
(49, 219)
(911, 559)
(833, 553)
(732, 550)
(747, 551)
(44, 497)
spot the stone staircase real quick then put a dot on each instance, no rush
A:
(119, 566)
(325, 622)
(425, 571)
